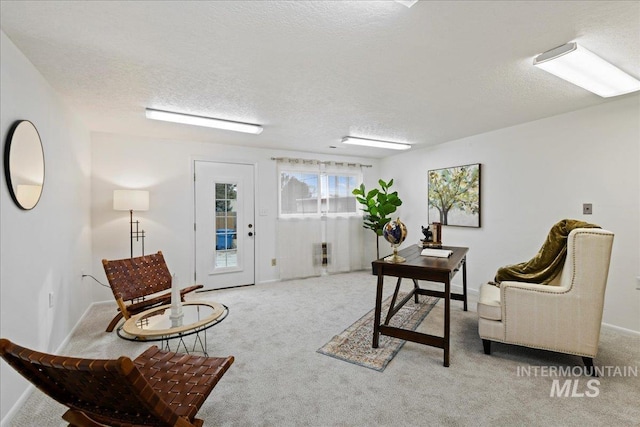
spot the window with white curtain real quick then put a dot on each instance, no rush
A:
(336, 194)
(314, 189)
(319, 220)
(299, 193)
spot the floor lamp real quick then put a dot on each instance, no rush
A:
(132, 200)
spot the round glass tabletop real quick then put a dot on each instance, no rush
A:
(159, 323)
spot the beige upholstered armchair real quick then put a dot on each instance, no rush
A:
(563, 316)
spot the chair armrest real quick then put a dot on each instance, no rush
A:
(544, 316)
(518, 296)
(535, 287)
(188, 289)
(158, 299)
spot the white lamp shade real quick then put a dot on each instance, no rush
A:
(584, 68)
(134, 200)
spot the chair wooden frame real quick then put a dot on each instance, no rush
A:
(140, 283)
(158, 388)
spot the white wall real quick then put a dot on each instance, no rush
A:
(164, 168)
(45, 249)
(534, 175)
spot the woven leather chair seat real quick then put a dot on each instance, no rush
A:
(158, 388)
(140, 283)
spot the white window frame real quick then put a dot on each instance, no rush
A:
(323, 172)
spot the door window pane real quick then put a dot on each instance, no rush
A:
(226, 225)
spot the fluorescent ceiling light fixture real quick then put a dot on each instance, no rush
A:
(375, 143)
(189, 119)
(407, 3)
(583, 68)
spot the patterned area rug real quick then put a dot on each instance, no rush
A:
(353, 345)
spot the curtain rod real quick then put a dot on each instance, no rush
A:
(313, 161)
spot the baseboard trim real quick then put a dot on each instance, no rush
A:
(470, 291)
(621, 330)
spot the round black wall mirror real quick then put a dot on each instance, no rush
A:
(24, 164)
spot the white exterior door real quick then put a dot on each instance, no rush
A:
(224, 224)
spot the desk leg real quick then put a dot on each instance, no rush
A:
(376, 321)
(464, 281)
(447, 320)
(415, 288)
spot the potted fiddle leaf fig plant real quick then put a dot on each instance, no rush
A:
(378, 205)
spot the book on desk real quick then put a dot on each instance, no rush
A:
(438, 253)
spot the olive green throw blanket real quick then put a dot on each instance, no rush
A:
(549, 261)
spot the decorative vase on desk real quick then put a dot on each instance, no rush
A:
(395, 232)
(176, 303)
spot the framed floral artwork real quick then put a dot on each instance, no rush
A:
(454, 195)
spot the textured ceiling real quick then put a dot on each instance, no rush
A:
(312, 72)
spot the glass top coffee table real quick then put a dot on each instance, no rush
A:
(155, 324)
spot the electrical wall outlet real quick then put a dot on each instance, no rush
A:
(273, 262)
(587, 208)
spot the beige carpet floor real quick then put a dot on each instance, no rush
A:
(279, 379)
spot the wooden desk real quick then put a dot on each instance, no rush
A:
(418, 267)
